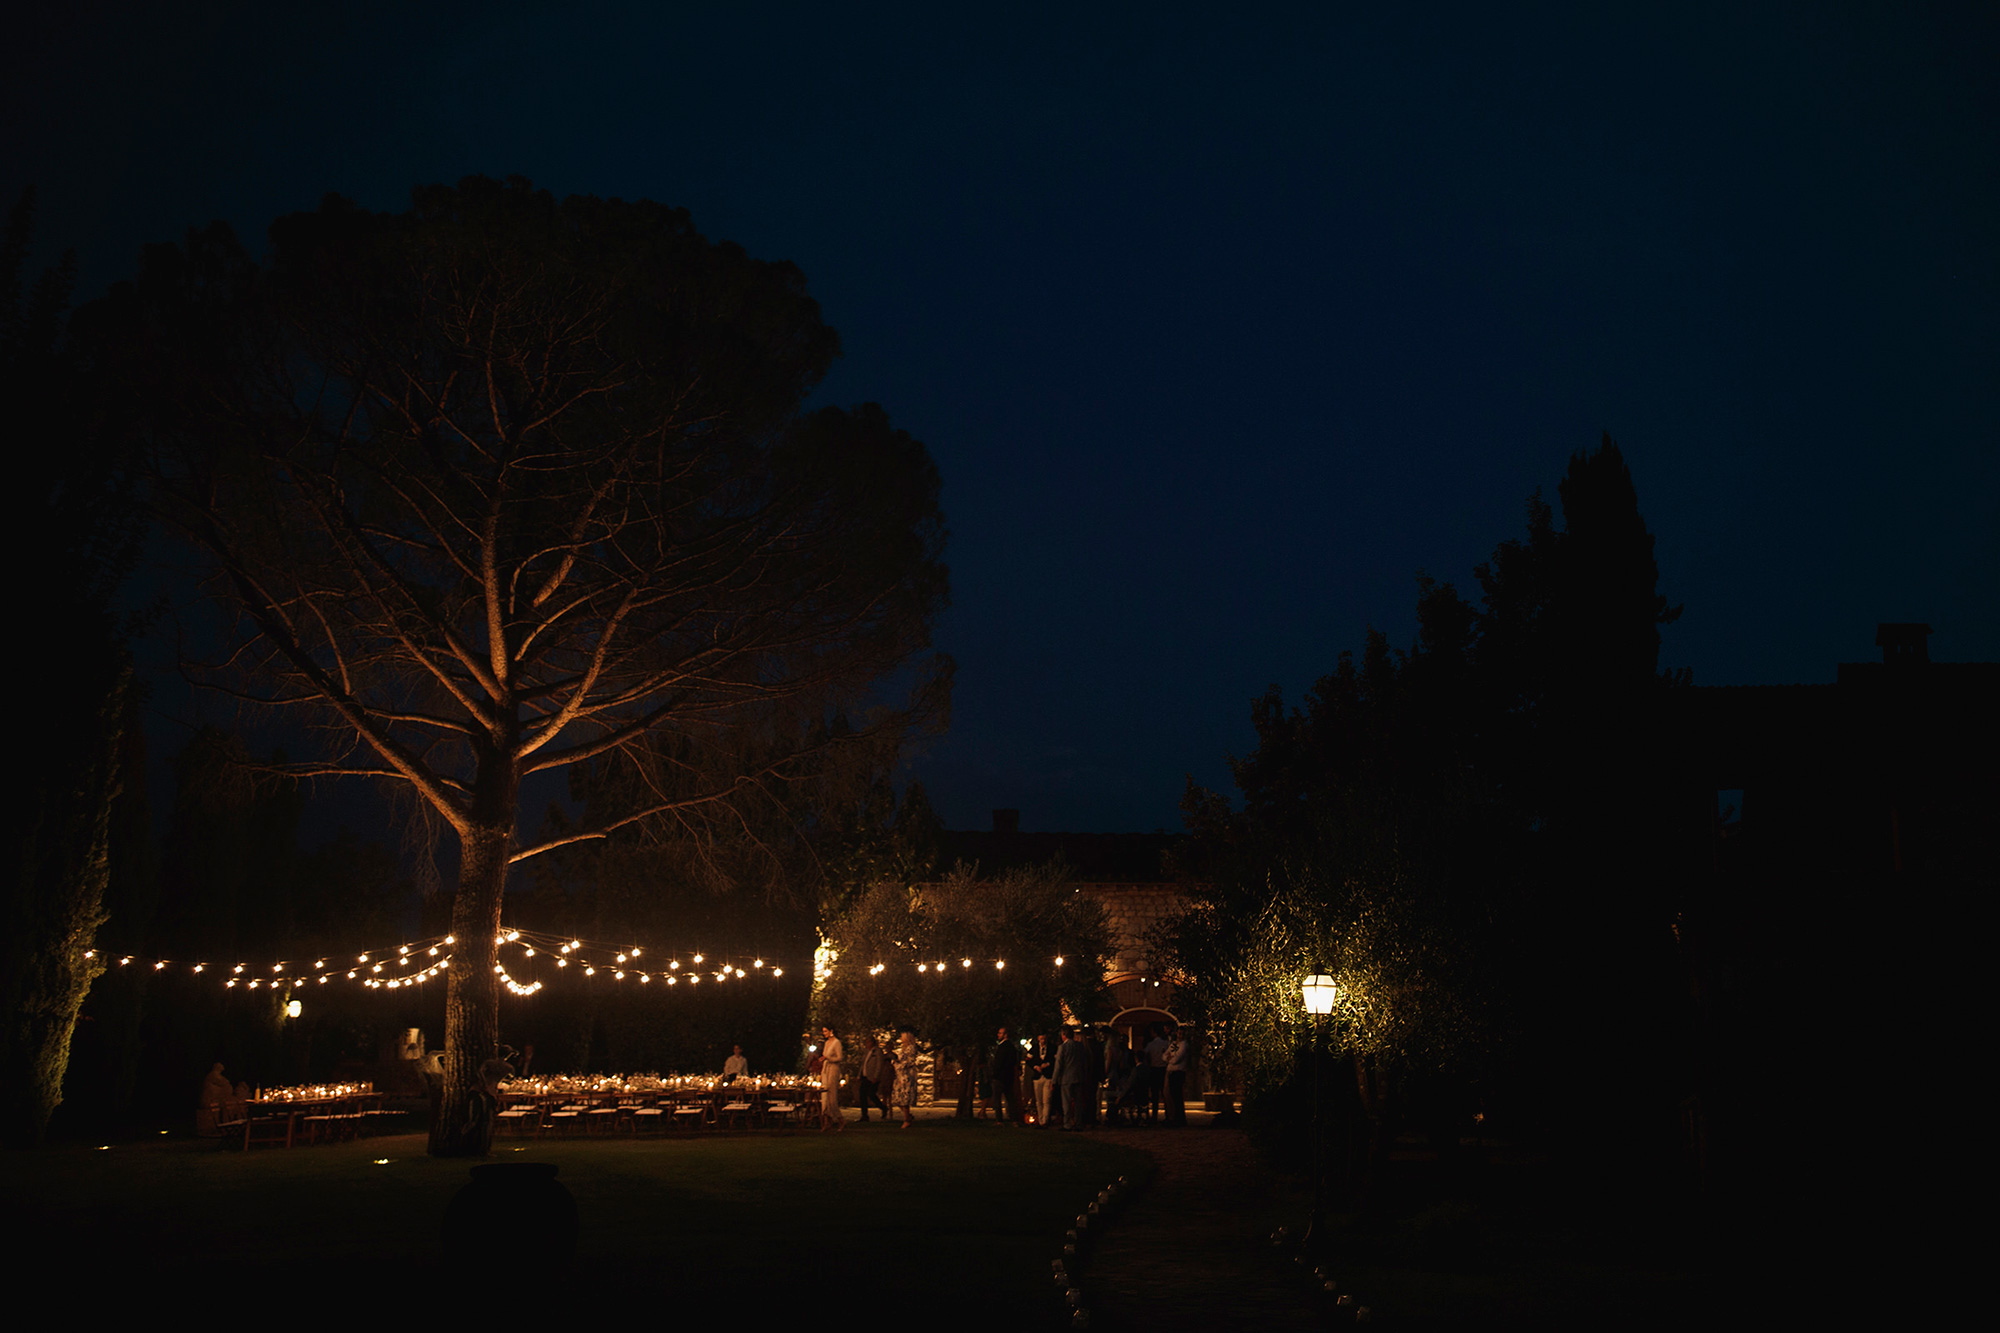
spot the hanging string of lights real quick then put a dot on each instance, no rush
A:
(393, 967)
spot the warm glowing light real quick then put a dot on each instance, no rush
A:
(758, 963)
(158, 966)
(777, 971)
(590, 971)
(621, 957)
(294, 1009)
(999, 964)
(1059, 961)
(697, 958)
(200, 967)
(1319, 993)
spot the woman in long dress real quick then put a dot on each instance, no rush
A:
(904, 1095)
(829, 1083)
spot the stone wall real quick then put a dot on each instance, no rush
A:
(1134, 910)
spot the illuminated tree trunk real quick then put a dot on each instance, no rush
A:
(463, 1126)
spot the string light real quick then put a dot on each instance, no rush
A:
(432, 953)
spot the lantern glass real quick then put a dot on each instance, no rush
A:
(1319, 994)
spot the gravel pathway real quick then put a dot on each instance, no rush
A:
(1189, 1252)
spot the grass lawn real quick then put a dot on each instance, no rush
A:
(953, 1217)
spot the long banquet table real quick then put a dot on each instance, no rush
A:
(531, 1107)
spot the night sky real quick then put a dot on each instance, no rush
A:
(1220, 328)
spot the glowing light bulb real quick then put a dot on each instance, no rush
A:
(697, 958)
(777, 971)
(999, 964)
(758, 963)
(158, 966)
(201, 967)
(965, 962)
(621, 957)
(590, 971)
(1059, 961)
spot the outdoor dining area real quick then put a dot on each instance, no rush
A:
(565, 1106)
(301, 1116)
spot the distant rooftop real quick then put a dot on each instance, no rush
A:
(1097, 858)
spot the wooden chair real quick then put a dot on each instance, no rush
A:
(519, 1121)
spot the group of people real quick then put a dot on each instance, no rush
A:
(1082, 1073)
(1077, 1079)
(888, 1078)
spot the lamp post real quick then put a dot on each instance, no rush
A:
(1318, 992)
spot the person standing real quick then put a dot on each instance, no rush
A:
(1073, 1076)
(1177, 1067)
(1095, 1082)
(736, 1066)
(1156, 1073)
(904, 1095)
(830, 1056)
(1117, 1076)
(873, 1061)
(1006, 1067)
(1042, 1067)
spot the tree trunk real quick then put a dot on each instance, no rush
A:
(462, 1126)
(56, 907)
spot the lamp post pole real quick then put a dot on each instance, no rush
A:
(1318, 992)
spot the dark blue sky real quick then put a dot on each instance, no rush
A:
(1221, 328)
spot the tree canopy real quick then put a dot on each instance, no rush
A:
(1464, 834)
(958, 958)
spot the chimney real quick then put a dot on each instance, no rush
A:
(1006, 821)
(1903, 645)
